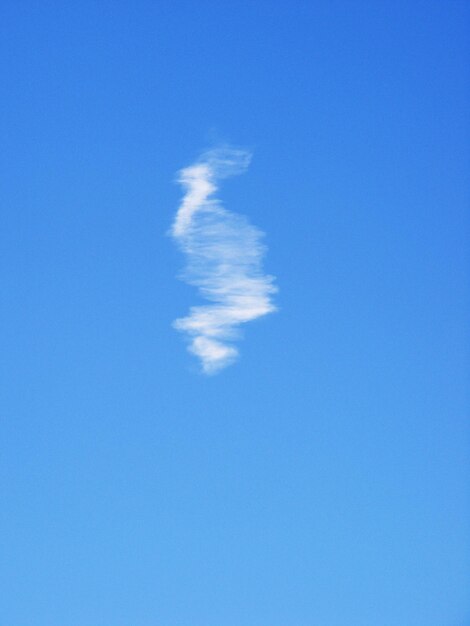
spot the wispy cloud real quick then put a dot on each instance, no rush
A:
(224, 254)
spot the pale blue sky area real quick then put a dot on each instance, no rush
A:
(323, 479)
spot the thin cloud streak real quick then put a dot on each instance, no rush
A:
(224, 255)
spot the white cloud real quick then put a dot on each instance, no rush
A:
(224, 254)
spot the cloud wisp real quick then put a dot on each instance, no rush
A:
(224, 260)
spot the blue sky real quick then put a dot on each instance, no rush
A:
(323, 478)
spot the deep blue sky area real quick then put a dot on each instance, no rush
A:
(323, 479)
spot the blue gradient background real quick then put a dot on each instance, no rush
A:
(323, 480)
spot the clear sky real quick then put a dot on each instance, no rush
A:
(322, 479)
